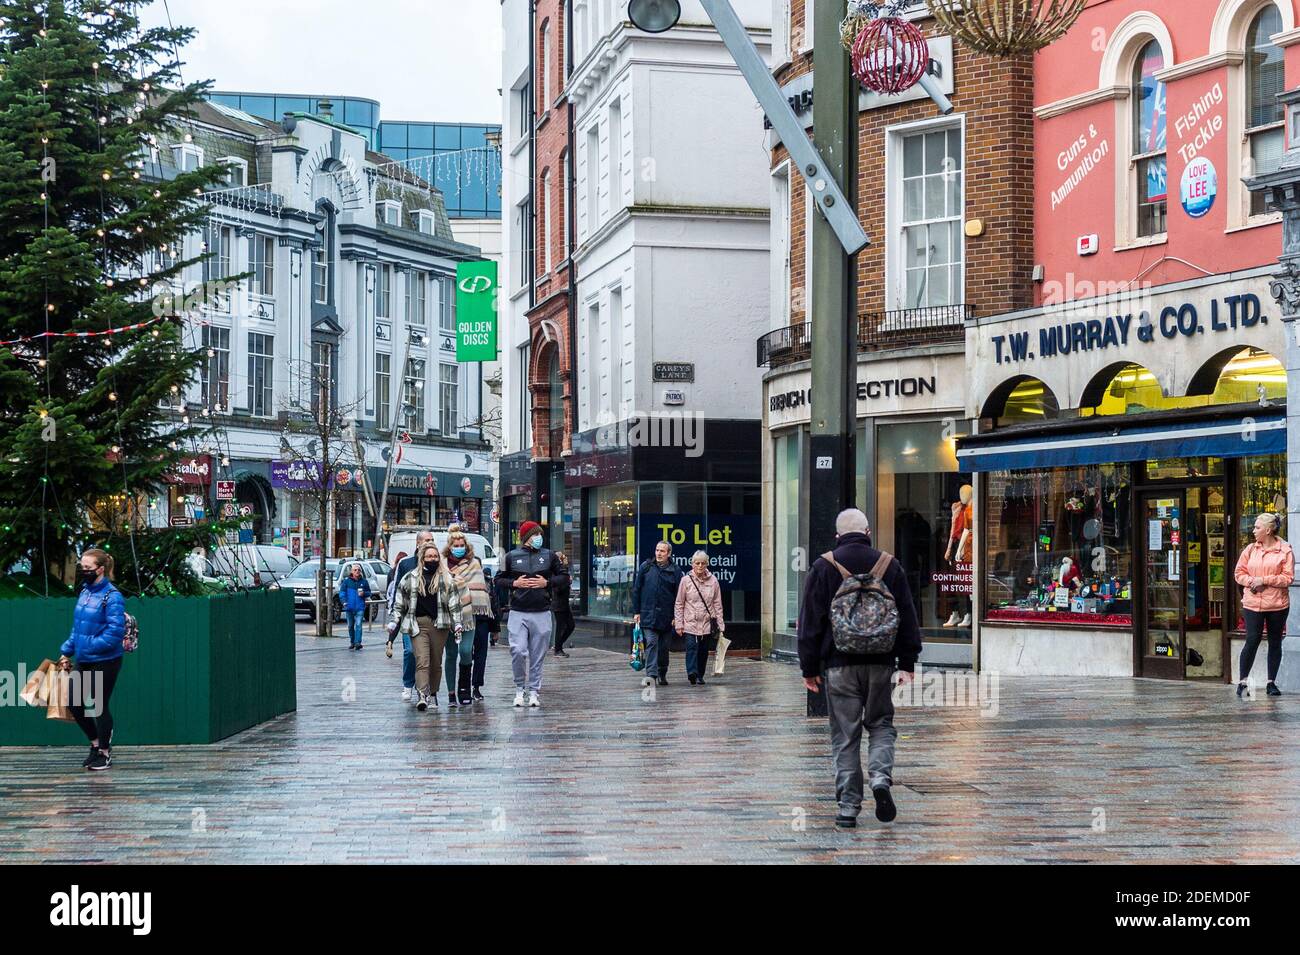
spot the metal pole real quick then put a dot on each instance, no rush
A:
(829, 466)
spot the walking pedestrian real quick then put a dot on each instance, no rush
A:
(528, 571)
(561, 587)
(1265, 571)
(95, 643)
(469, 654)
(428, 610)
(697, 614)
(654, 598)
(404, 566)
(355, 591)
(858, 685)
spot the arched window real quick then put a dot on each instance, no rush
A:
(555, 417)
(1264, 81)
(1148, 146)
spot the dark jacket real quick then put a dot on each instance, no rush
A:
(654, 594)
(523, 562)
(354, 593)
(98, 624)
(561, 588)
(404, 567)
(816, 644)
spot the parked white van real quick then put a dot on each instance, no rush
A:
(404, 542)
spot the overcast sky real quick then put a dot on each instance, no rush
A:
(421, 59)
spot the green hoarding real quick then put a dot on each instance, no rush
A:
(476, 311)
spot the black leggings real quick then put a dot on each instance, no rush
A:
(1256, 621)
(564, 625)
(101, 727)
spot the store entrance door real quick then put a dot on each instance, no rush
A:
(1162, 624)
(1180, 632)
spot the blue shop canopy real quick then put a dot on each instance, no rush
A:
(1261, 432)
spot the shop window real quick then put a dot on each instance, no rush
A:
(788, 569)
(1264, 115)
(1021, 401)
(1178, 469)
(1148, 146)
(1037, 521)
(1249, 376)
(925, 517)
(612, 553)
(1262, 491)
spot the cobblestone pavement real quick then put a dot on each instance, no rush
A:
(1065, 771)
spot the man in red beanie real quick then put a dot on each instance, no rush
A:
(527, 571)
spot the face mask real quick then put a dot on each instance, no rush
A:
(86, 576)
(536, 542)
(458, 551)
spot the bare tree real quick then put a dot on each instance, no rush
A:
(320, 441)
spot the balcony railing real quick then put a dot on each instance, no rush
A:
(877, 331)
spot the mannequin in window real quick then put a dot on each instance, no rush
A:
(961, 544)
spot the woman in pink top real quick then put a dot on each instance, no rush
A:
(1265, 570)
(697, 614)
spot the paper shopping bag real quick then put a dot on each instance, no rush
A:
(720, 655)
(60, 695)
(34, 692)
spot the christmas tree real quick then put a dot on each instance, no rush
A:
(90, 234)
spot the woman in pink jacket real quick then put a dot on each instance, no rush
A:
(1265, 570)
(697, 611)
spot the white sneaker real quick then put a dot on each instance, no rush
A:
(432, 699)
(534, 699)
(519, 698)
(965, 621)
(422, 703)
(952, 621)
(406, 694)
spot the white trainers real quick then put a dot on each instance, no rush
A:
(534, 699)
(519, 698)
(432, 700)
(406, 694)
(422, 703)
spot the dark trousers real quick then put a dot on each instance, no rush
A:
(100, 727)
(564, 624)
(481, 635)
(697, 652)
(1256, 622)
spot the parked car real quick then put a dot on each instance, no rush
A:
(244, 566)
(303, 583)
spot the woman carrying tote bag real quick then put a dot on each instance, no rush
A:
(697, 614)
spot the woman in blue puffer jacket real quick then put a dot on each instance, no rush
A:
(98, 625)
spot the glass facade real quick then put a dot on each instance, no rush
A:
(626, 521)
(358, 113)
(470, 191)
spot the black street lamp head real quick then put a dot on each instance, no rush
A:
(654, 16)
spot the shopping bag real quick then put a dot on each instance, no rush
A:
(33, 692)
(59, 683)
(720, 655)
(638, 649)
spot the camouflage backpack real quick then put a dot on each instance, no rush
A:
(864, 616)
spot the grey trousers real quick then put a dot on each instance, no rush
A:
(530, 638)
(859, 696)
(656, 650)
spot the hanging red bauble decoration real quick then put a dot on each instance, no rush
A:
(890, 55)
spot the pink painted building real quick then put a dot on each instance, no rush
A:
(1132, 425)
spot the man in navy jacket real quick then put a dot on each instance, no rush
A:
(654, 597)
(858, 687)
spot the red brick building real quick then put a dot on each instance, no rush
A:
(550, 373)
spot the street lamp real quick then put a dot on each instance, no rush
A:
(654, 16)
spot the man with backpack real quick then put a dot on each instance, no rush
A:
(857, 623)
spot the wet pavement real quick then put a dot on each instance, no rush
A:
(1032, 770)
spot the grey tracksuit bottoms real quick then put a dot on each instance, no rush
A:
(860, 696)
(530, 638)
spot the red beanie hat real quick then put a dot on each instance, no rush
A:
(527, 529)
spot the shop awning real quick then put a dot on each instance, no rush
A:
(1117, 440)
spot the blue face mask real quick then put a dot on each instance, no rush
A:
(458, 552)
(536, 542)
